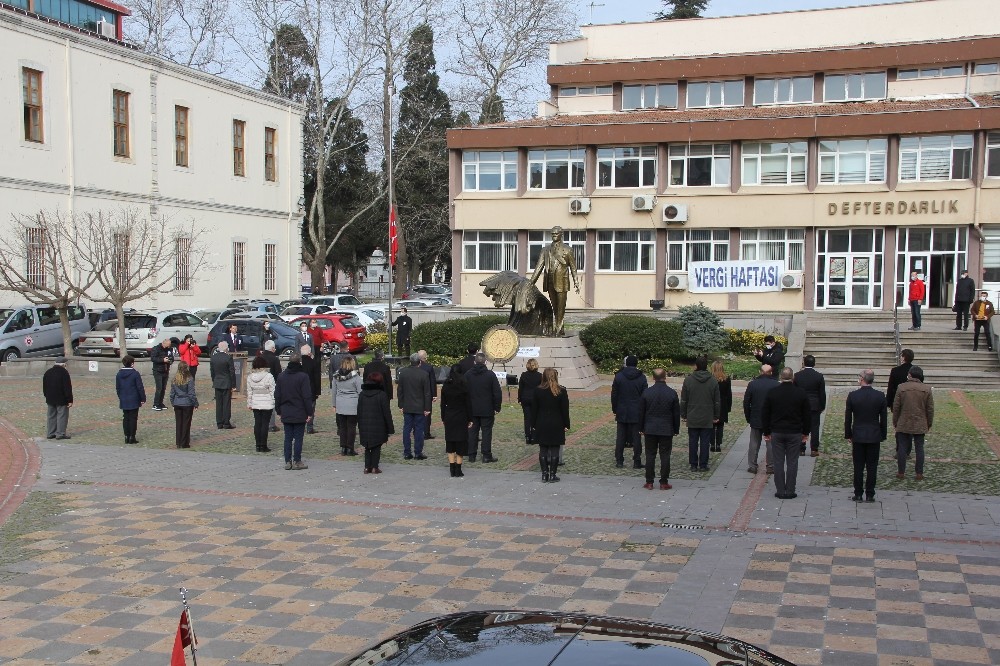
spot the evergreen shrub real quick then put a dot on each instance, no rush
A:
(702, 328)
(744, 342)
(449, 338)
(611, 339)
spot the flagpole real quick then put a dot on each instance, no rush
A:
(194, 657)
(392, 255)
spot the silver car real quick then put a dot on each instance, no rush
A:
(35, 330)
(143, 330)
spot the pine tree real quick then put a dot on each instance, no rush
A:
(682, 9)
(493, 109)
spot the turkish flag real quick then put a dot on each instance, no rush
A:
(393, 240)
(185, 636)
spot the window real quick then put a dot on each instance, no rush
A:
(181, 136)
(787, 245)
(120, 262)
(699, 164)
(991, 254)
(555, 169)
(270, 266)
(986, 68)
(626, 167)
(993, 155)
(778, 163)
(489, 250)
(239, 266)
(35, 259)
(585, 91)
(71, 12)
(627, 251)
(795, 90)
(686, 245)
(489, 170)
(715, 93)
(574, 240)
(852, 161)
(31, 81)
(119, 102)
(270, 165)
(942, 157)
(649, 96)
(931, 72)
(182, 263)
(852, 87)
(239, 156)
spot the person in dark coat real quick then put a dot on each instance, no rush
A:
(404, 329)
(161, 357)
(787, 420)
(899, 374)
(725, 403)
(469, 361)
(184, 401)
(965, 293)
(131, 397)
(274, 364)
(378, 364)
(865, 427)
(626, 393)
(413, 396)
(294, 403)
(701, 405)
(455, 415)
(550, 421)
(312, 368)
(224, 382)
(659, 421)
(526, 385)
(57, 388)
(813, 383)
(485, 398)
(374, 421)
(773, 354)
(753, 410)
(233, 338)
(432, 378)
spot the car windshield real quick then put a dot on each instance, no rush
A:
(284, 329)
(350, 322)
(140, 321)
(5, 314)
(108, 325)
(350, 300)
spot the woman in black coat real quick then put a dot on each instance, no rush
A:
(526, 386)
(550, 421)
(374, 421)
(456, 416)
(726, 405)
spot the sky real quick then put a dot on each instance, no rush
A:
(615, 11)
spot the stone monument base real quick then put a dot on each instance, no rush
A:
(567, 355)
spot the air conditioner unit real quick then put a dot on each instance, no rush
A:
(579, 206)
(675, 213)
(643, 202)
(791, 280)
(105, 29)
(677, 282)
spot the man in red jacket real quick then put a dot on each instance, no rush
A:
(916, 298)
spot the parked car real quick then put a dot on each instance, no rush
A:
(336, 300)
(102, 340)
(540, 638)
(420, 303)
(261, 306)
(296, 311)
(208, 315)
(143, 331)
(339, 328)
(427, 290)
(97, 316)
(290, 302)
(35, 330)
(367, 316)
(254, 314)
(251, 330)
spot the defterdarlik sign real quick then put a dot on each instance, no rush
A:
(711, 277)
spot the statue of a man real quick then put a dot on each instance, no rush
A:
(559, 265)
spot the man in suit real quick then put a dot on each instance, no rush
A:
(965, 293)
(659, 421)
(233, 339)
(312, 368)
(304, 337)
(378, 364)
(786, 426)
(485, 401)
(899, 374)
(814, 384)
(626, 393)
(404, 329)
(414, 399)
(224, 382)
(753, 410)
(432, 378)
(865, 427)
(161, 358)
(469, 361)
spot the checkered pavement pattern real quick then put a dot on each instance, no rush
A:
(861, 607)
(294, 586)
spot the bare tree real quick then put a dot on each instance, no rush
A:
(38, 260)
(136, 256)
(189, 32)
(502, 42)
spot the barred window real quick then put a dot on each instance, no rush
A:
(939, 157)
(853, 161)
(854, 87)
(239, 266)
(182, 263)
(35, 260)
(687, 245)
(795, 90)
(489, 250)
(787, 245)
(574, 240)
(270, 266)
(626, 250)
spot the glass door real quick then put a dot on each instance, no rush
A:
(849, 268)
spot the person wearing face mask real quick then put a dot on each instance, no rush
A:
(304, 337)
(773, 354)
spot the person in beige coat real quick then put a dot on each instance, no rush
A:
(912, 418)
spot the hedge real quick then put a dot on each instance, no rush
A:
(450, 338)
(613, 338)
(377, 341)
(745, 342)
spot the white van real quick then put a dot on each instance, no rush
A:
(34, 330)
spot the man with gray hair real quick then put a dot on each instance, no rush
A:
(224, 382)
(427, 367)
(753, 410)
(485, 400)
(414, 400)
(57, 388)
(865, 428)
(786, 425)
(912, 418)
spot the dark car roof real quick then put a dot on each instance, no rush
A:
(531, 638)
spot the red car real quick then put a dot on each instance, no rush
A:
(338, 328)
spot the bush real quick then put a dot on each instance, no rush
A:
(742, 341)
(378, 327)
(378, 341)
(613, 338)
(450, 338)
(702, 329)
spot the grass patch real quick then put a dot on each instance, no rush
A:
(36, 513)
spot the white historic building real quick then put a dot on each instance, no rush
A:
(89, 124)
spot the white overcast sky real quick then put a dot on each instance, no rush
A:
(616, 11)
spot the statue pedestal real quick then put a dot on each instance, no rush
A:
(567, 355)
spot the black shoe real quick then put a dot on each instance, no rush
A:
(265, 449)
(471, 459)
(407, 457)
(429, 436)
(228, 426)
(352, 452)
(553, 478)
(458, 470)
(490, 459)
(870, 499)
(62, 437)
(780, 495)
(694, 468)
(857, 498)
(957, 328)
(619, 464)
(220, 427)
(791, 495)
(637, 465)
(451, 468)
(417, 457)
(545, 477)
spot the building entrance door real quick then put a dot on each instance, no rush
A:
(936, 254)
(849, 268)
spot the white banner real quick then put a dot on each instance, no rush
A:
(714, 277)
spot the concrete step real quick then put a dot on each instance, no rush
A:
(938, 378)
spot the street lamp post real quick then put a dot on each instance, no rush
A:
(392, 220)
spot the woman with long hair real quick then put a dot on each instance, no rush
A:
(348, 387)
(374, 421)
(527, 383)
(726, 404)
(260, 400)
(184, 401)
(550, 421)
(456, 416)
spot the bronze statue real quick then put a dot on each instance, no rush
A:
(530, 312)
(556, 259)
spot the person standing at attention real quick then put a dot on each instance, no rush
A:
(314, 371)
(486, 400)
(526, 385)
(224, 382)
(659, 421)
(260, 400)
(455, 415)
(982, 313)
(413, 395)
(912, 418)
(865, 428)
(374, 420)
(233, 339)
(965, 293)
(726, 406)
(426, 366)
(626, 394)
(915, 296)
(184, 401)
(786, 427)
(57, 387)
(294, 403)
(161, 359)
(814, 384)
(701, 405)
(404, 329)
(550, 421)
(899, 374)
(131, 397)
(345, 400)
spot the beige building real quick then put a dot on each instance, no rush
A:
(779, 162)
(92, 124)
